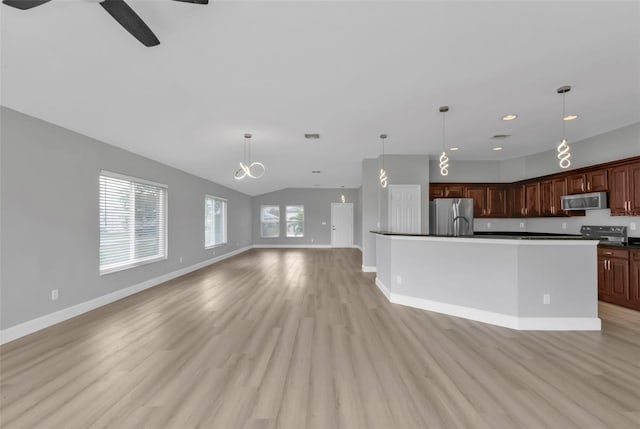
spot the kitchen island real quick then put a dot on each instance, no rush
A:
(527, 284)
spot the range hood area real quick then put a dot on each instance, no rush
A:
(590, 201)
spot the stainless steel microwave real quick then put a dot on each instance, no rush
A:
(591, 201)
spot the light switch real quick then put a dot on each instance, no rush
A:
(324, 223)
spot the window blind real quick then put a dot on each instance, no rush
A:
(215, 221)
(133, 222)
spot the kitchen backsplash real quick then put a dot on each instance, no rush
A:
(565, 225)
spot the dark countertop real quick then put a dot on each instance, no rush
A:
(634, 242)
(505, 235)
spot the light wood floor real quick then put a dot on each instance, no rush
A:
(302, 338)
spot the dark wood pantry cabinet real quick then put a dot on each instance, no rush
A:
(619, 276)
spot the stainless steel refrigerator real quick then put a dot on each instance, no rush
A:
(451, 216)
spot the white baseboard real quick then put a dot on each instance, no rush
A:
(358, 247)
(368, 269)
(498, 319)
(383, 289)
(31, 326)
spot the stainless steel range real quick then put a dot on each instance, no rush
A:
(606, 234)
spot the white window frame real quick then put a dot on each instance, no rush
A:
(224, 220)
(113, 268)
(279, 220)
(286, 221)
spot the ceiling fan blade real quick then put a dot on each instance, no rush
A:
(24, 4)
(130, 20)
(195, 1)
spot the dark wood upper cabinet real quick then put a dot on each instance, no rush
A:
(542, 197)
(496, 199)
(532, 199)
(589, 181)
(559, 189)
(443, 190)
(624, 189)
(478, 193)
(515, 200)
(546, 198)
(597, 180)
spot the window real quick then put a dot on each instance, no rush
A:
(295, 221)
(215, 221)
(133, 222)
(270, 221)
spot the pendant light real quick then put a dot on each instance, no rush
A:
(383, 173)
(444, 159)
(254, 170)
(563, 148)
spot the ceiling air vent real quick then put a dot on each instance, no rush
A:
(312, 136)
(501, 136)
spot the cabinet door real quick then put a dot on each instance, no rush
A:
(603, 281)
(479, 199)
(436, 190)
(597, 181)
(576, 184)
(634, 188)
(496, 201)
(515, 203)
(634, 279)
(546, 198)
(559, 189)
(619, 271)
(532, 200)
(454, 191)
(618, 189)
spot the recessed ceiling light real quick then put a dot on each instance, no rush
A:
(509, 117)
(570, 117)
(312, 136)
(315, 171)
(497, 148)
(501, 136)
(454, 148)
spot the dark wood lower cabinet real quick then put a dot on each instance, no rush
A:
(634, 278)
(618, 276)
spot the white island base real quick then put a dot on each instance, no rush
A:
(519, 284)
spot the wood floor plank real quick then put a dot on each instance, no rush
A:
(301, 338)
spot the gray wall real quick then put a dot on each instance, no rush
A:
(370, 210)
(357, 221)
(49, 224)
(317, 209)
(610, 146)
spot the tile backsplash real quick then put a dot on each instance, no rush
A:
(565, 225)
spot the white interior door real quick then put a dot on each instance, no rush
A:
(341, 224)
(404, 208)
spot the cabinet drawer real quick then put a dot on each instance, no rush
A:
(609, 252)
(635, 255)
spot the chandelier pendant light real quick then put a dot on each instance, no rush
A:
(253, 170)
(564, 151)
(384, 180)
(444, 159)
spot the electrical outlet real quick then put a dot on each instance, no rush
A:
(312, 240)
(564, 225)
(546, 298)
(632, 226)
(180, 259)
(399, 280)
(521, 224)
(488, 224)
(213, 253)
(54, 294)
(324, 223)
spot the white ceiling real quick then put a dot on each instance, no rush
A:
(348, 70)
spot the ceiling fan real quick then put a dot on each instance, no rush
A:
(119, 10)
